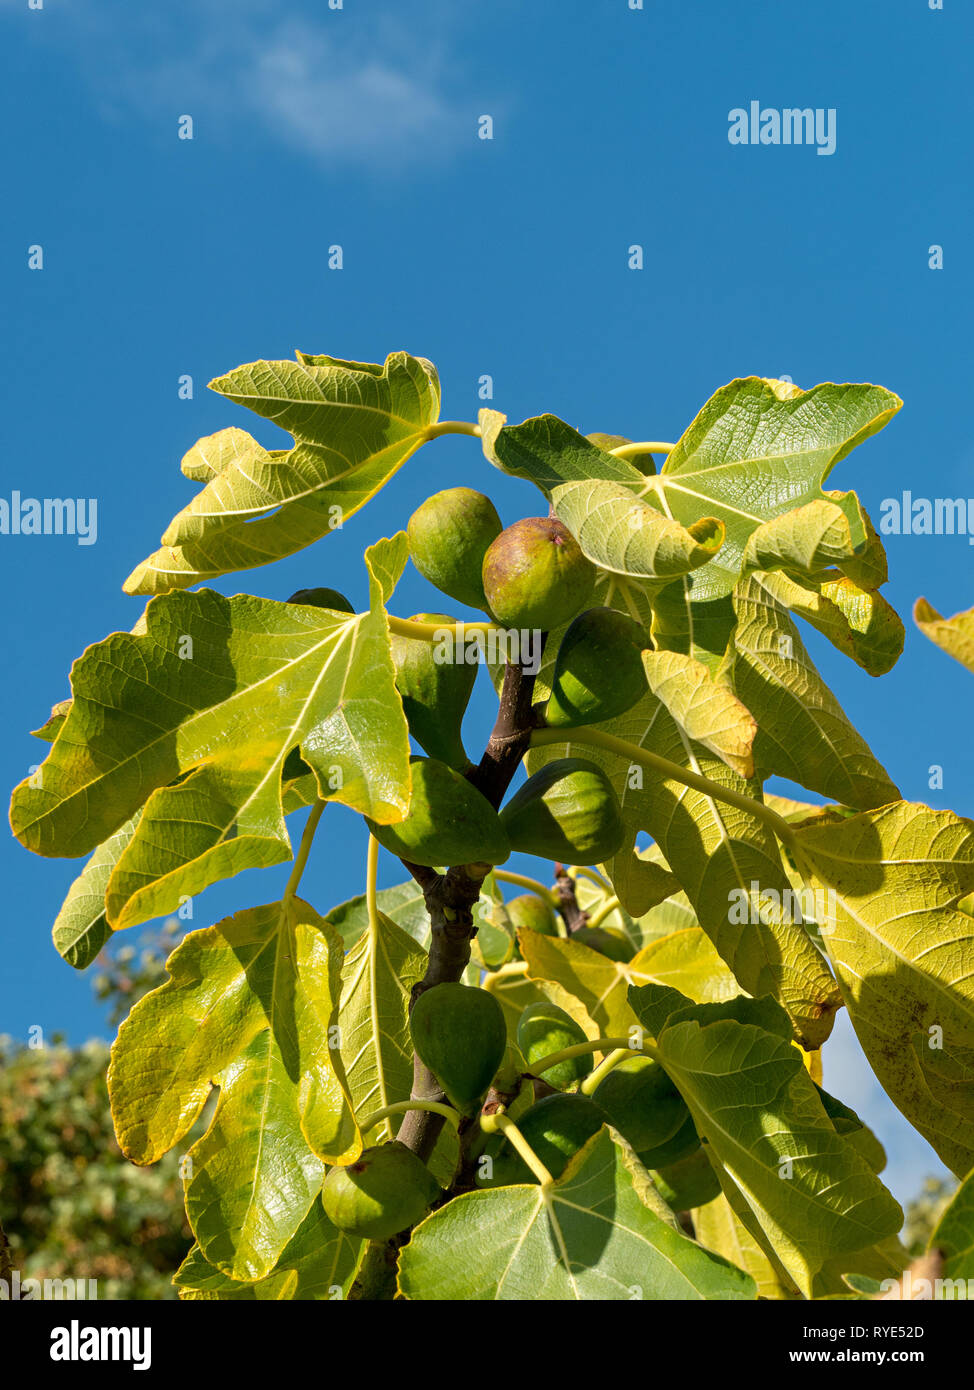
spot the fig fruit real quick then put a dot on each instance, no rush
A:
(323, 598)
(598, 670)
(532, 912)
(690, 1183)
(608, 941)
(643, 460)
(568, 811)
(494, 944)
(449, 821)
(684, 1142)
(545, 1028)
(448, 538)
(434, 693)
(459, 1032)
(642, 1103)
(535, 575)
(385, 1191)
(555, 1128)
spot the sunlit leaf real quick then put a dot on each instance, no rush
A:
(719, 1230)
(377, 978)
(81, 927)
(707, 712)
(953, 635)
(798, 1186)
(954, 1234)
(404, 904)
(251, 1007)
(595, 1234)
(753, 453)
(718, 852)
(904, 957)
(199, 715)
(319, 1262)
(802, 732)
(354, 425)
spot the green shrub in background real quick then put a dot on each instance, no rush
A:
(71, 1206)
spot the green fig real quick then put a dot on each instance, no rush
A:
(555, 1128)
(643, 460)
(385, 1191)
(459, 1032)
(545, 1028)
(642, 1103)
(598, 670)
(684, 1142)
(494, 942)
(532, 912)
(690, 1183)
(434, 693)
(607, 442)
(608, 941)
(568, 811)
(449, 821)
(323, 598)
(535, 575)
(448, 538)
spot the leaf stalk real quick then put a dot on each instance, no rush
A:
(596, 738)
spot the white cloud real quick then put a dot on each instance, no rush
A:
(308, 92)
(344, 88)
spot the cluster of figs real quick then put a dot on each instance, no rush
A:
(460, 1033)
(529, 577)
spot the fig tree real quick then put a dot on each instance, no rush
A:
(544, 1028)
(385, 1191)
(434, 693)
(568, 811)
(535, 575)
(532, 912)
(459, 1032)
(598, 669)
(448, 538)
(449, 821)
(555, 1128)
(642, 1103)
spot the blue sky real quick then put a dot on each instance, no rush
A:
(507, 257)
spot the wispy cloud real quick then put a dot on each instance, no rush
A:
(337, 86)
(309, 93)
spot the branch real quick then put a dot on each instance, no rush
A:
(426, 878)
(510, 736)
(451, 897)
(6, 1262)
(573, 915)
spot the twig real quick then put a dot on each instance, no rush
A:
(574, 916)
(451, 897)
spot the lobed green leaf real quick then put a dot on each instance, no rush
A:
(354, 425)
